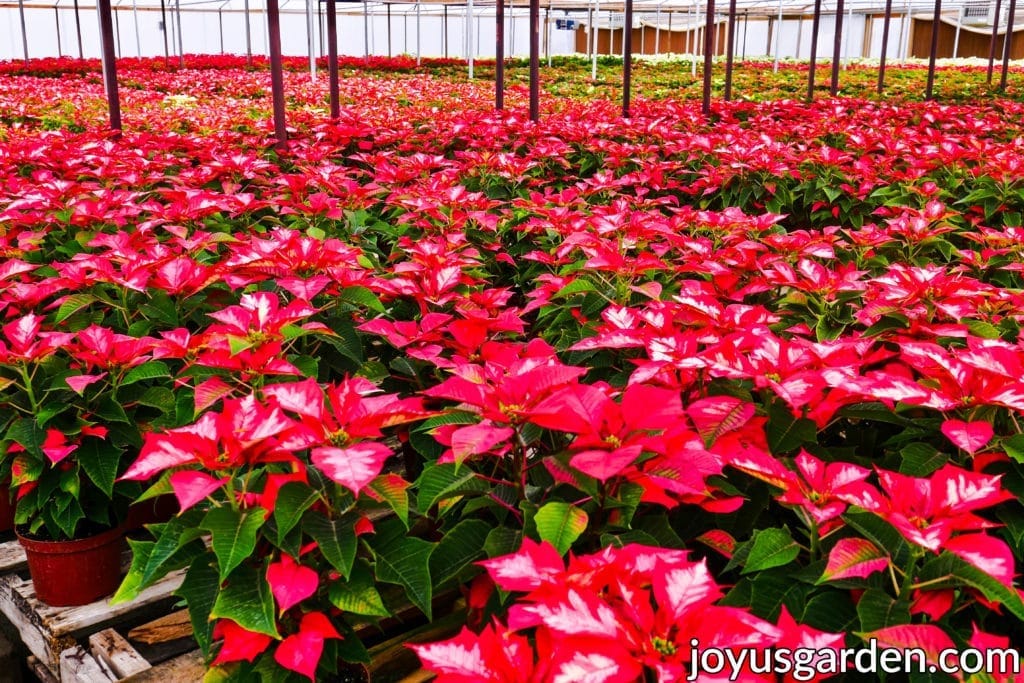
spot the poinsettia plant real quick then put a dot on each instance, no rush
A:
(77, 405)
(772, 356)
(294, 476)
(624, 614)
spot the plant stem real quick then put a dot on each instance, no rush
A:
(29, 392)
(515, 513)
(908, 577)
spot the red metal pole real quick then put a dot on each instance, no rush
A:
(276, 72)
(731, 47)
(709, 42)
(627, 57)
(78, 31)
(885, 44)
(992, 42)
(24, 31)
(1007, 43)
(534, 60)
(837, 47)
(56, 24)
(109, 63)
(332, 56)
(815, 29)
(936, 20)
(499, 55)
(248, 35)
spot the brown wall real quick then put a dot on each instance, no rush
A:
(677, 41)
(971, 44)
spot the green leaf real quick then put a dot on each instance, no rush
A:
(160, 487)
(502, 541)
(26, 433)
(359, 594)
(72, 305)
(160, 398)
(375, 371)
(51, 408)
(233, 535)
(882, 534)
(245, 599)
(438, 482)
(827, 329)
(392, 489)
(459, 547)
(577, 286)
(361, 296)
(1014, 447)
(626, 502)
(889, 321)
(785, 432)
(289, 332)
(111, 411)
(161, 307)
(100, 460)
(425, 445)
(404, 561)
(238, 344)
(852, 558)
(422, 439)
(983, 329)
(171, 538)
(199, 591)
(560, 524)
(184, 406)
(966, 573)
(69, 513)
(450, 417)
(132, 583)
(771, 548)
(151, 370)
(336, 539)
(921, 459)
(830, 611)
(307, 365)
(345, 340)
(877, 610)
(658, 526)
(1013, 518)
(773, 589)
(873, 411)
(293, 499)
(625, 538)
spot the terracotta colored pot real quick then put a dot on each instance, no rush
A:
(75, 572)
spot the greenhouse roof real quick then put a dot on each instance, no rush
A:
(950, 8)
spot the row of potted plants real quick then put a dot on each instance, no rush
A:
(592, 363)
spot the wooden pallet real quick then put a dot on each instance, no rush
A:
(141, 642)
(162, 650)
(12, 557)
(48, 631)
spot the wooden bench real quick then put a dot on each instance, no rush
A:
(48, 631)
(143, 641)
(161, 650)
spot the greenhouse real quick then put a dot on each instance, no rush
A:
(147, 28)
(549, 341)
